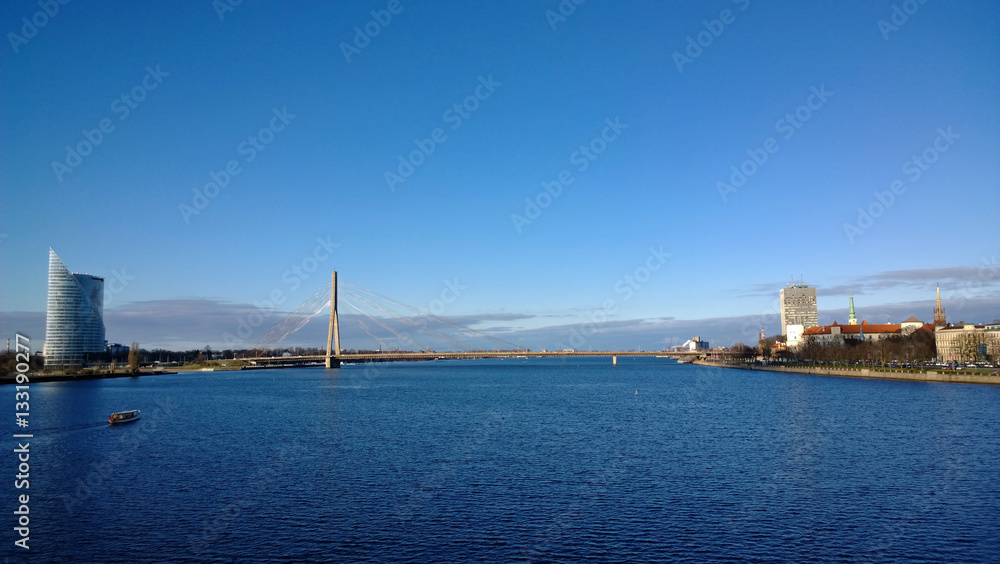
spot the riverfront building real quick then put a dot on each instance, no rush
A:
(798, 307)
(966, 343)
(74, 319)
(793, 335)
(836, 334)
(694, 344)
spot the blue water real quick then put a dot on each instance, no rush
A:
(514, 460)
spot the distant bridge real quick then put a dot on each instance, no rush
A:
(335, 356)
(333, 361)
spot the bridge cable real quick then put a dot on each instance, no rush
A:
(407, 321)
(297, 319)
(420, 314)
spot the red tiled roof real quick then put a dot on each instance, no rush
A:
(870, 328)
(913, 320)
(853, 329)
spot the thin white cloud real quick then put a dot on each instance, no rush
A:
(984, 275)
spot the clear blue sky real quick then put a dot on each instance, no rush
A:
(546, 85)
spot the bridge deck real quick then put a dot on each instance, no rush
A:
(402, 356)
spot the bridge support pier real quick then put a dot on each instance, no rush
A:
(333, 335)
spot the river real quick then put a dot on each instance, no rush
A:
(523, 460)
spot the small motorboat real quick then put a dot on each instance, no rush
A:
(123, 417)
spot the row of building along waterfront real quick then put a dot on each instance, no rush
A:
(960, 343)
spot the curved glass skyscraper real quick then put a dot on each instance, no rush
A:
(74, 321)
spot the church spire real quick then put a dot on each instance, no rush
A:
(851, 318)
(939, 310)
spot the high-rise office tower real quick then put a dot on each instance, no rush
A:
(74, 319)
(798, 307)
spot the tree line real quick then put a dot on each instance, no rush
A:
(917, 348)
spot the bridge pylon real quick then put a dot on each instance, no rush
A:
(333, 335)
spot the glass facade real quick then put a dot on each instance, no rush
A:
(74, 321)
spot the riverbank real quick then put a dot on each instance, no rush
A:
(36, 378)
(99, 374)
(954, 376)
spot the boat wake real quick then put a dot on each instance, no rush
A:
(48, 431)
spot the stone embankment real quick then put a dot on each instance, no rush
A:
(955, 376)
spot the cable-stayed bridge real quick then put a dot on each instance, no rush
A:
(391, 324)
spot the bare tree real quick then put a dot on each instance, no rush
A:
(968, 345)
(133, 357)
(764, 346)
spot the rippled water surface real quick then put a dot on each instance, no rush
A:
(514, 460)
